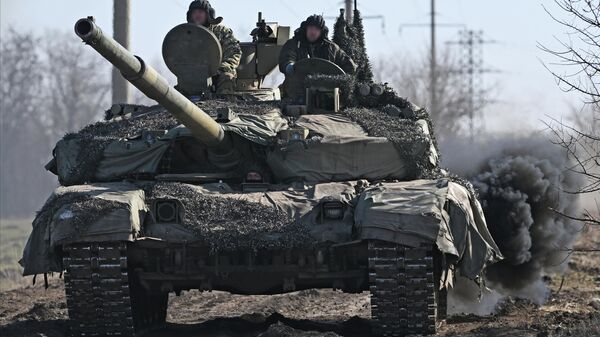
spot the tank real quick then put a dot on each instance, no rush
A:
(337, 186)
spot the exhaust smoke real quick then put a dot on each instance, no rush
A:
(520, 182)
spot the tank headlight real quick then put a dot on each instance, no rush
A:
(332, 210)
(254, 177)
(166, 211)
(254, 182)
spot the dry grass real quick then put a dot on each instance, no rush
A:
(13, 236)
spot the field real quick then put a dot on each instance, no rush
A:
(13, 236)
(27, 310)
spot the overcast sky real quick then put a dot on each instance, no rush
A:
(526, 92)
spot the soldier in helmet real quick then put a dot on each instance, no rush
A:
(202, 13)
(310, 40)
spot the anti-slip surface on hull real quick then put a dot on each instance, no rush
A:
(237, 193)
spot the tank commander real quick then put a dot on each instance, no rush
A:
(202, 13)
(311, 40)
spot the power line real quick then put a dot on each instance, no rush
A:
(433, 25)
(471, 70)
(348, 4)
(437, 25)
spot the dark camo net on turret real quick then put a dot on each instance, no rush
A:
(386, 115)
(95, 137)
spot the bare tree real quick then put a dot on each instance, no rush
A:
(76, 84)
(20, 101)
(585, 118)
(410, 77)
(48, 87)
(578, 58)
(20, 79)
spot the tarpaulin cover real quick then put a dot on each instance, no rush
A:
(82, 213)
(331, 125)
(337, 149)
(408, 213)
(336, 158)
(425, 211)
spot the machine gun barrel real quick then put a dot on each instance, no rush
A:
(151, 83)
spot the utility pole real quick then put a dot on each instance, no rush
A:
(348, 11)
(433, 25)
(471, 70)
(121, 17)
(433, 74)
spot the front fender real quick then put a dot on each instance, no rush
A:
(82, 213)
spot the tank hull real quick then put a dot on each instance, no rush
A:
(122, 287)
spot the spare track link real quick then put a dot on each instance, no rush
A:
(402, 286)
(97, 289)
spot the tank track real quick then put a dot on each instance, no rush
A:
(403, 289)
(102, 297)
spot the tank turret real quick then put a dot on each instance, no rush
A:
(151, 83)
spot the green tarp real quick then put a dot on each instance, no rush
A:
(423, 211)
(336, 158)
(111, 212)
(408, 213)
(338, 149)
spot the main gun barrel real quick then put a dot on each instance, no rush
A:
(151, 83)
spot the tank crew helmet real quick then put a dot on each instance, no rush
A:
(316, 20)
(205, 6)
(313, 20)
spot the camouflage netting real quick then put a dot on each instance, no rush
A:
(153, 118)
(239, 106)
(343, 35)
(364, 71)
(351, 38)
(391, 116)
(344, 82)
(157, 118)
(386, 115)
(89, 155)
(95, 137)
(85, 209)
(404, 133)
(77, 211)
(229, 223)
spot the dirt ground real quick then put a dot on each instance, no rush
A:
(572, 311)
